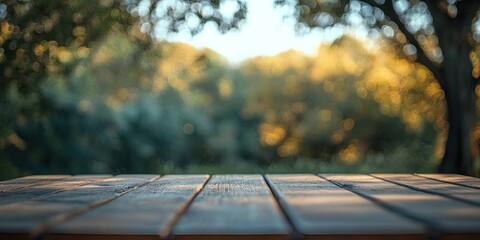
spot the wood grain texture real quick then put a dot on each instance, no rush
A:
(50, 187)
(450, 217)
(32, 217)
(28, 181)
(321, 210)
(233, 207)
(333, 206)
(467, 194)
(145, 213)
(455, 179)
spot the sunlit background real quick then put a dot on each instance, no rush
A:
(266, 32)
(110, 93)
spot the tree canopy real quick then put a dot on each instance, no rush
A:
(174, 108)
(439, 34)
(42, 38)
(98, 68)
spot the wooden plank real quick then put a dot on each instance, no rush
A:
(50, 187)
(321, 210)
(28, 181)
(233, 207)
(33, 217)
(453, 219)
(145, 213)
(455, 179)
(461, 193)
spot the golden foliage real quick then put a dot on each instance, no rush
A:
(399, 87)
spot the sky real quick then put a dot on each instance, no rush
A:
(265, 32)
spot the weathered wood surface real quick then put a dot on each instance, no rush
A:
(146, 213)
(28, 181)
(453, 219)
(462, 193)
(233, 206)
(321, 210)
(302, 206)
(49, 187)
(31, 218)
(455, 179)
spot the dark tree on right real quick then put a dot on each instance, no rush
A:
(439, 34)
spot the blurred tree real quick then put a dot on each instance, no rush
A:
(439, 34)
(173, 107)
(123, 104)
(41, 38)
(347, 101)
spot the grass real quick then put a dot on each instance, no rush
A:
(397, 162)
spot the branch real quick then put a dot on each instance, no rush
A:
(469, 10)
(422, 58)
(460, 25)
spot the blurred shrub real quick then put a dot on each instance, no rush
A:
(173, 108)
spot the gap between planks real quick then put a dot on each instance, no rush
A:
(145, 213)
(48, 188)
(233, 207)
(296, 234)
(38, 231)
(445, 217)
(28, 181)
(461, 180)
(29, 219)
(431, 227)
(318, 209)
(454, 192)
(167, 233)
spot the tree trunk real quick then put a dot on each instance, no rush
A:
(460, 97)
(459, 87)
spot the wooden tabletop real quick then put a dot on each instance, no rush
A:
(292, 206)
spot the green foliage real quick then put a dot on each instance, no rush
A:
(42, 38)
(173, 108)
(118, 102)
(443, 42)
